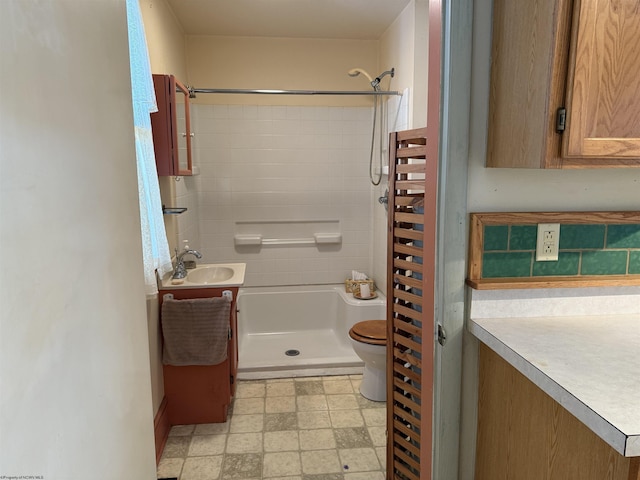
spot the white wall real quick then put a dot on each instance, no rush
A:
(403, 46)
(74, 358)
(280, 63)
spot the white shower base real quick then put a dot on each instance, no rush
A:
(314, 320)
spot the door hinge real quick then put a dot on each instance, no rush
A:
(561, 119)
(442, 335)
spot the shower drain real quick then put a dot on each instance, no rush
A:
(292, 353)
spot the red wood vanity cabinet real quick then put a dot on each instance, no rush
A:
(197, 393)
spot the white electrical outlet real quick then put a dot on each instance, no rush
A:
(548, 240)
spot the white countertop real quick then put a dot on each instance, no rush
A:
(590, 364)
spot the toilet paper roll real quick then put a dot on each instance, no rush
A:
(365, 291)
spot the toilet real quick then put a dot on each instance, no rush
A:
(369, 341)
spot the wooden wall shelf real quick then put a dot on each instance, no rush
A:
(477, 250)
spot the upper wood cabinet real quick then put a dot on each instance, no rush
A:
(171, 127)
(556, 62)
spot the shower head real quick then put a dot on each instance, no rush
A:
(375, 83)
(354, 72)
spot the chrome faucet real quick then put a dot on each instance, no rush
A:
(181, 271)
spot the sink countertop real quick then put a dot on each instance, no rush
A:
(236, 280)
(590, 364)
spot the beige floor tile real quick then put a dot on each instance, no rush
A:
(312, 387)
(325, 476)
(342, 402)
(382, 456)
(378, 436)
(250, 390)
(280, 404)
(295, 477)
(170, 467)
(181, 430)
(285, 429)
(274, 422)
(281, 389)
(352, 437)
(318, 419)
(308, 403)
(279, 379)
(331, 378)
(320, 439)
(211, 428)
(247, 423)
(375, 417)
(364, 476)
(246, 406)
(346, 418)
(359, 459)
(279, 464)
(355, 383)
(244, 443)
(320, 461)
(201, 468)
(203, 445)
(364, 402)
(246, 466)
(176, 447)
(281, 441)
(337, 386)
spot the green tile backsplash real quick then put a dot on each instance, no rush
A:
(573, 237)
(568, 264)
(523, 237)
(634, 263)
(623, 236)
(595, 249)
(603, 262)
(496, 238)
(506, 264)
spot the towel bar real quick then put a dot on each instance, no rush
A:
(225, 293)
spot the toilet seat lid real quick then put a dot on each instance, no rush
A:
(373, 332)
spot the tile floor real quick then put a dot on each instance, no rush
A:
(313, 428)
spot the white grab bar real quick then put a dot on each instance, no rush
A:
(318, 239)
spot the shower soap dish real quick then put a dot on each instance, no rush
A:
(353, 286)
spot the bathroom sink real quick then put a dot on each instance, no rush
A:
(207, 276)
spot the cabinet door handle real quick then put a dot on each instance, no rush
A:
(561, 120)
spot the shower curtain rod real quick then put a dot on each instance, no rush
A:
(193, 91)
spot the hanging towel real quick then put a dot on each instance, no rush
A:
(195, 331)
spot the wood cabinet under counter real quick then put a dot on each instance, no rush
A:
(564, 84)
(202, 393)
(559, 398)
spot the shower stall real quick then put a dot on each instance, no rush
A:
(286, 189)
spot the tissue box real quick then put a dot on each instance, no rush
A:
(353, 286)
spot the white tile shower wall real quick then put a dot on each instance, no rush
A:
(278, 164)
